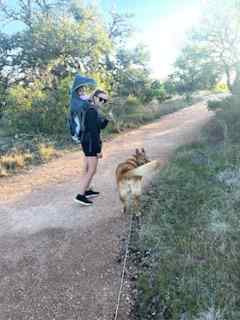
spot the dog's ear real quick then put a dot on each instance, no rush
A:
(143, 151)
(137, 152)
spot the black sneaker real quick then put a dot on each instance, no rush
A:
(91, 194)
(82, 200)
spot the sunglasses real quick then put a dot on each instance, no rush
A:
(102, 100)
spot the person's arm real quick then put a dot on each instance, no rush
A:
(93, 128)
(103, 122)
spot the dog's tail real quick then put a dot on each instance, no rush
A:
(145, 169)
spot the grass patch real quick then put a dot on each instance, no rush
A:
(46, 151)
(12, 161)
(188, 243)
(27, 151)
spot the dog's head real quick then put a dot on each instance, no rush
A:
(140, 156)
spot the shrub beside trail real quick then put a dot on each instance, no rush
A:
(187, 247)
(18, 148)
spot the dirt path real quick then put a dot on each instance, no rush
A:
(58, 259)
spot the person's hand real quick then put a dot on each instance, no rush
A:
(111, 116)
(99, 155)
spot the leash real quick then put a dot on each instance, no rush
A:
(124, 268)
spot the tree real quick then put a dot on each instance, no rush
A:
(194, 70)
(58, 39)
(130, 74)
(119, 28)
(5, 63)
(61, 37)
(219, 34)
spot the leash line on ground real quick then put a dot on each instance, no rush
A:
(123, 269)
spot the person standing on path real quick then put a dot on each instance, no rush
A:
(92, 147)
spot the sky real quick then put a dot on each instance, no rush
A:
(161, 25)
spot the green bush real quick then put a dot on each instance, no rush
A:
(221, 88)
(225, 126)
(229, 117)
(155, 91)
(36, 110)
(160, 95)
(224, 103)
(132, 105)
(214, 104)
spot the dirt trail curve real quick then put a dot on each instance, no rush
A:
(58, 259)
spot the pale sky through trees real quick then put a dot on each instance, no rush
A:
(161, 25)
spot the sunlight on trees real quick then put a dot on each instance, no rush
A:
(213, 50)
(60, 38)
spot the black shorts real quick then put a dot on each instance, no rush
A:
(86, 147)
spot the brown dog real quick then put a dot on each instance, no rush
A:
(129, 175)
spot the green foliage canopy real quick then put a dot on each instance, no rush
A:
(58, 39)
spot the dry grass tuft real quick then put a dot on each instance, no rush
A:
(47, 151)
(12, 161)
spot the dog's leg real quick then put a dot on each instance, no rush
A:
(123, 200)
(136, 194)
(127, 206)
(136, 203)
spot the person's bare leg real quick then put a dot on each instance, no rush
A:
(86, 179)
(85, 170)
(85, 166)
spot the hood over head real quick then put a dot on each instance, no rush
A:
(82, 81)
(75, 101)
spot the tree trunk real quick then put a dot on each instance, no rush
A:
(228, 78)
(235, 89)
